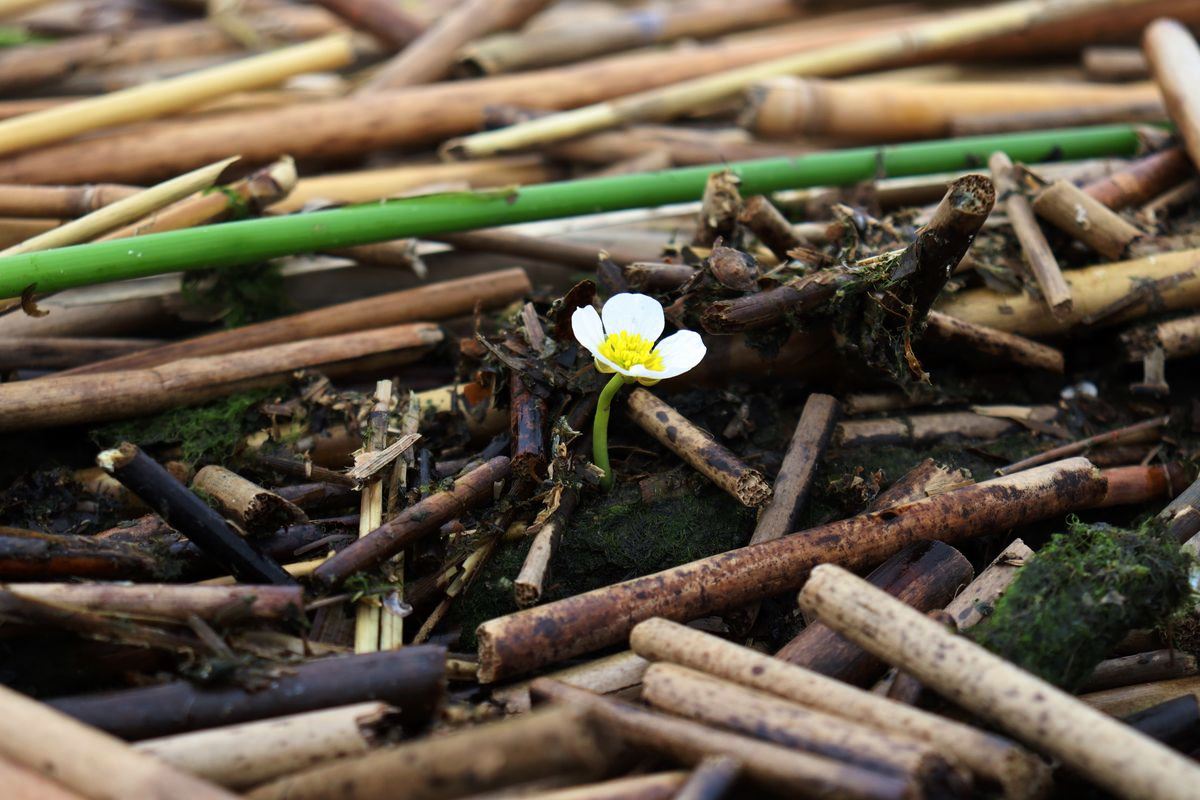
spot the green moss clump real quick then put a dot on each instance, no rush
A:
(209, 433)
(613, 538)
(1086, 589)
(242, 294)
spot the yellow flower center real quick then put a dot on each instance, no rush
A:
(627, 349)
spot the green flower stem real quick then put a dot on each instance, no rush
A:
(254, 240)
(600, 429)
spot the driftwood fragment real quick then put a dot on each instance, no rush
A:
(254, 507)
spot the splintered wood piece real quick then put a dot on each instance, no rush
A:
(187, 513)
(780, 769)
(538, 636)
(719, 208)
(701, 697)
(924, 575)
(256, 508)
(85, 760)
(475, 488)
(1021, 773)
(1110, 753)
(698, 448)
(1174, 61)
(372, 463)
(412, 679)
(1070, 209)
(241, 756)
(1034, 246)
(924, 480)
(551, 741)
(527, 423)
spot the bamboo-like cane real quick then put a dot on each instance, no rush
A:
(369, 617)
(433, 53)
(1093, 289)
(1141, 180)
(1034, 246)
(1070, 209)
(608, 675)
(248, 195)
(123, 211)
(55, 352)
(381, 18)
(1157, 665)
(531, 746)
(890, 111)
(166, 601)
(1114, 63)
(1020, 773)
(255, 508)
(23, 783)
(253, 240)
(173, 94)
(973, 603)
(375, 184)
(1175, 61)
(241, 756)
(871, 52)
(947, 330)
(1126, 700)
(541, 635)
(136, 392)
(655, 786)
(572, 41)
(92, 763)
(1108, 752)
(18, 200)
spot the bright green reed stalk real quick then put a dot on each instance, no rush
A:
(250, 241)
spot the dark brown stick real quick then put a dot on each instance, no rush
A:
(1082, 445)
(719, 208)
(527, 422)
(1143, 180)
(771, 227)
(411, 679)
(166, 601)
(62, 352)
(422, 519)
(538, 636)
(1015, 349)
(1159, 665)
(384, 20)
(191, 516)
(925, 575)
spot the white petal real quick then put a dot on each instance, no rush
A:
(585, 324)
(680, 352)
(634, 313)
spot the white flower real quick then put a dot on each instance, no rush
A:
(624, 341)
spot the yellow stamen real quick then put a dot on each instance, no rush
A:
(628, 349)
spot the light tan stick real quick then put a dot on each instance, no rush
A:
(173, 94)
(1072, 210)
(86, 760)
(1175, 62)
(657, 786)
(698, 448)
(168, 601)
(701, 697)
(18, 200)
(1022, 774)
(123, 211)
(871, 52)
(1034, 246)
(475, 759)
(22, 783)
(434, 52)
(711, 779)
(255, 508)
(241, 756)
(607, 675)
(1093, 289)
(979, 598)
(1113, 755)
(528, 584)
